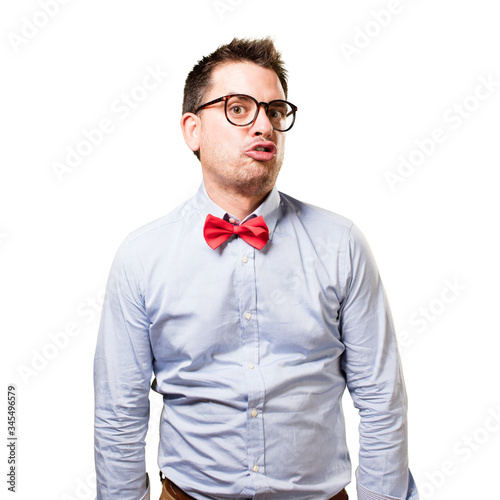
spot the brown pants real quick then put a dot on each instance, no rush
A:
(170, 491)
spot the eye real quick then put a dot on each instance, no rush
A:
(276, 114)
(237, 109)
(278, 111)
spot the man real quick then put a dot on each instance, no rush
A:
(254, 311)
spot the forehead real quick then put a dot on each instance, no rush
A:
(245, 78)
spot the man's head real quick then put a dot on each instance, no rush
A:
(261, 52)
(227, 151)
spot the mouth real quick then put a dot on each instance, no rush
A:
(262, 151)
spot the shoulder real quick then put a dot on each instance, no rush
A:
(158, 236)
(313, 213)
(326, 222)
(165, 224)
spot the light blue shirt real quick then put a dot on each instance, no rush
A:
(251, 350)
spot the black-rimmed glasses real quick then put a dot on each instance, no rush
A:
(242, 110)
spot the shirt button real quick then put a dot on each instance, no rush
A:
(255, 468)
(231, 220)
(245, 260)
(250, 366)
(248, 315)
(254, 413)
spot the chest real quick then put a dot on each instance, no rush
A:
(285, 297)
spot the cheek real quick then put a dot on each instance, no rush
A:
(280, 144)
(217, 137)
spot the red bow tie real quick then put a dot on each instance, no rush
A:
(254, 231)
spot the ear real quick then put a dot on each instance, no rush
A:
(190, 125)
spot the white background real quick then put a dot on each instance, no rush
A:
(435, 231)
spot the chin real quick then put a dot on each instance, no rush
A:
(257, 185)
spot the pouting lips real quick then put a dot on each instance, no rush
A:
(262, 151)
(266, 146)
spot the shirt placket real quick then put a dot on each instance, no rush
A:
(251, 358)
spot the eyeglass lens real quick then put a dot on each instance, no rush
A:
(242, 110)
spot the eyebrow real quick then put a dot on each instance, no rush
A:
(243, 93)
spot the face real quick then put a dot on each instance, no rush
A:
(228, 153)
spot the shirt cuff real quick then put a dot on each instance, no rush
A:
(146, 495)
(366, 494)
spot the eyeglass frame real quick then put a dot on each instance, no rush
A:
(259, 104)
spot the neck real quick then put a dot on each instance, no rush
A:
(234, 203)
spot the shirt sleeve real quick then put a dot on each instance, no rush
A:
(374, 379)
(122, 374)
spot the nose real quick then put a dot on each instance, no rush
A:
(262, 125)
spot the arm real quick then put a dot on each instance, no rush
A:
(374, 379)
(122, 374)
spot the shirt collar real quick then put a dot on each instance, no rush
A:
(269, 208)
